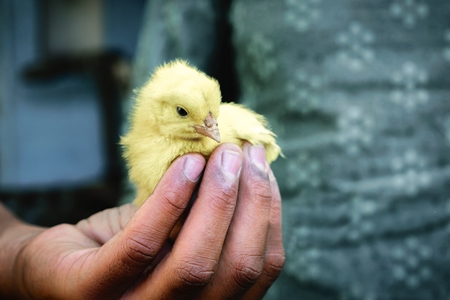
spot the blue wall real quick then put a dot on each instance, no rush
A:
(51, 132)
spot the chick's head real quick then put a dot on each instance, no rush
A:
(181, 102)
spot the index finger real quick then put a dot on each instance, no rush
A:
(122, 260)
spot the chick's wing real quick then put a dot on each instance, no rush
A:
(238, 124)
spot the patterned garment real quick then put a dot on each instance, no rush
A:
(359, 95)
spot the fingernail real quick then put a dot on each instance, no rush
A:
(231, 163)
(192, 168)
(258, 156)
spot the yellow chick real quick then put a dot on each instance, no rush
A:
(179, 111)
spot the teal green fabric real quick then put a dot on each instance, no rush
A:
(359, 95)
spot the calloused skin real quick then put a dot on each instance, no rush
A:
(230, 246)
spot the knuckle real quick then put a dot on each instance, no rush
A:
(194, 273)
(247, 270)
(262, 191)
(224, 200)
(173, 201)
(139, 251)
(273, 265)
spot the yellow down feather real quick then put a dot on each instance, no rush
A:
(160, 132)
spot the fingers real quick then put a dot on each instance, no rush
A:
(275, 257)
(102, 226)
(243, 257)
(122, 259)
(196, 252)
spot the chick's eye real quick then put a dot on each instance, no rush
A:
(181, 112)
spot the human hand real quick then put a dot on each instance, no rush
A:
(229, 247)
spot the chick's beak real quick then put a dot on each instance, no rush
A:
(209, 128)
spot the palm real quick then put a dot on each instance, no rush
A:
(74, 251)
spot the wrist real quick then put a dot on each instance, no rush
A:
(14, 236)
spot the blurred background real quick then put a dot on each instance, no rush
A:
(64, 70)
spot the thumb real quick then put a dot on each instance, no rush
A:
(122, 260)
